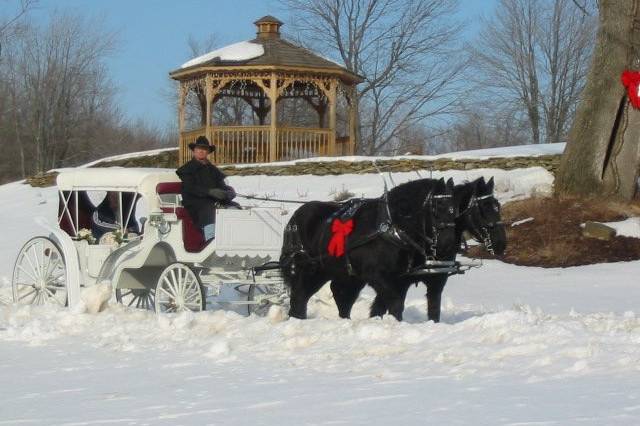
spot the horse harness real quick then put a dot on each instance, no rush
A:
(385, 228)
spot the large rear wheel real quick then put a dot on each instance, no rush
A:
(140, 298)
(40, 274)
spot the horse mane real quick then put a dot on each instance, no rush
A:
(417, 189)
(462, 194)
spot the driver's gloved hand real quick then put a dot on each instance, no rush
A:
(231, 194)
(217, 193)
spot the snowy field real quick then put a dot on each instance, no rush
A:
(517, 345)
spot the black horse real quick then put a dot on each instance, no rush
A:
(479, 215)
(381, 244)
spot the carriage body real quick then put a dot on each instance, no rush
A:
(169, 248)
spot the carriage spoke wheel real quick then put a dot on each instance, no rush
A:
(258, 295)
(179, 289)
(140, 298)
(261, 296)
(40, 274)
(264, 296)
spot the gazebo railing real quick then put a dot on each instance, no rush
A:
(250, 144)
(302, 142)
(239, 145)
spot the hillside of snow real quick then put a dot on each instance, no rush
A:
(516, 346)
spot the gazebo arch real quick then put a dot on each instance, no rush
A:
(263, 72)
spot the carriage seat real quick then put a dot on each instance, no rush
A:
(192, 236)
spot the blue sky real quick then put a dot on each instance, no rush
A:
(153, 36)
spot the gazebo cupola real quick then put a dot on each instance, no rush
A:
(266, 100)
(268, 27)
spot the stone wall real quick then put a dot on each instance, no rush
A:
(169, 159)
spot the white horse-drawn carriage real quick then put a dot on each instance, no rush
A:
(166, 266)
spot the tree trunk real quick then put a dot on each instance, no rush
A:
(601, 157)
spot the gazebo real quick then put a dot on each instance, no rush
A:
(259, 74)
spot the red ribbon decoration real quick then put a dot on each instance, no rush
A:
(340, 231)
(631, 80)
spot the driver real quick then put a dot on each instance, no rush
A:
(204, 187)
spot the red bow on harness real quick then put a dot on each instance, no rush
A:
(631, 80)
(340, 230)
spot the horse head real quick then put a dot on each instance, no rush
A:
(440, 213)
(424, 210)
(481, 217)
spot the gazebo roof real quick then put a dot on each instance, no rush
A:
(268, 49)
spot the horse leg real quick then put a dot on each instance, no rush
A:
(434, 297)
(304, 286)
(345, 292)
(390, 298)
(396, 304)
(378, 307)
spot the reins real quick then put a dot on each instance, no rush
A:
(277, 200)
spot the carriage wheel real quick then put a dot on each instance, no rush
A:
(40, 274)
(264, 296)
(137, 298)
(179, 289)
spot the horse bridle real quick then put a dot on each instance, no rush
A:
(436, 226)
(486, 225)
(389, 229)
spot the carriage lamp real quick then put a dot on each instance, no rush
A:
(159, 220)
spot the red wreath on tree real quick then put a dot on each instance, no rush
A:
(339, 230)
(631, 80)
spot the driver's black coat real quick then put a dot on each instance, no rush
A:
(197, 179)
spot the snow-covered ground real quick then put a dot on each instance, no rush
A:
(627, 228)
(517, 345)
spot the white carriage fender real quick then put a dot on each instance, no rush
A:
(72, 263)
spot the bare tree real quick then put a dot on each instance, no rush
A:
(57, 102)
(404, 50)
(60, 86)
(537, 53)
(484, 127)
(9, 23)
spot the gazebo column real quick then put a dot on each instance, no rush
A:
(273, 132)
(181, 120)
(209, 99)
(332, 117)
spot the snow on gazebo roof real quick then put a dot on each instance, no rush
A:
(267, 49)
(237, 52)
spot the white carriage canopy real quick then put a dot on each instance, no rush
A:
(126, 185)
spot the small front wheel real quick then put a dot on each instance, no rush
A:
(179, 289)
(268, 289)
(262, 296)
